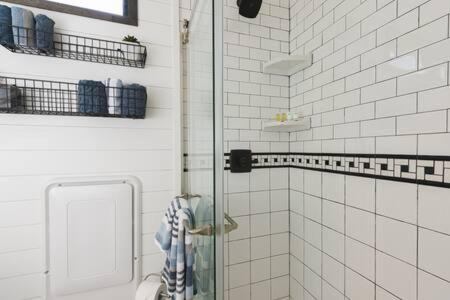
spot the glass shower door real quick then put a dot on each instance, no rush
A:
(199, 140)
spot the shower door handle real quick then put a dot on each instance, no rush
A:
(232, 224)
(208, 230)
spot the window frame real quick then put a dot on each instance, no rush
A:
(130, 19)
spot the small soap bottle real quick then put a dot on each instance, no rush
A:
(278, 117)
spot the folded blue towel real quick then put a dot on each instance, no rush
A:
(23, 26)
(10, 96)
(92, 97)
(134, 100)
(45, 28)
(6, 35)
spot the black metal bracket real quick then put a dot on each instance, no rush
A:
(240, 161)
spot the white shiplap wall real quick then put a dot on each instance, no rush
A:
(35, 149)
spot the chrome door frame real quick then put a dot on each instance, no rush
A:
(218, 148)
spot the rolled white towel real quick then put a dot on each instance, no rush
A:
(114, 94)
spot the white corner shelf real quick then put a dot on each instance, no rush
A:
(287, 126)
(288, 65)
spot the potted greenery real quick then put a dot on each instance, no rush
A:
(130, 52)
(131, 39)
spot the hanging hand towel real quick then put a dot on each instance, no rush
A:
(6, 34)
(176, 242)
(44, 33)
(204, 250)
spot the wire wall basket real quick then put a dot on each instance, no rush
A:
(86, 98)
(35, 42)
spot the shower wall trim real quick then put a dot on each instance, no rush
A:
(418, 169)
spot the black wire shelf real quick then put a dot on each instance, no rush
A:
(76, 47)
(86, 98)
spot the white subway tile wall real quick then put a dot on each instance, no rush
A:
(257, 266)
(257, 262)
(384, 79)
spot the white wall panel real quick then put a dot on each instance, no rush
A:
(35, 149)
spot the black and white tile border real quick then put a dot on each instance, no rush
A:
(419, 169)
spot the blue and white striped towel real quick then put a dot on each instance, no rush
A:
(173, 239)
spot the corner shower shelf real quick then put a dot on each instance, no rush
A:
(79, 48)
(42, 97)
(288, 65)
(288, 126)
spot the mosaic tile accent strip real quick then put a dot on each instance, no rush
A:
(419, 169)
